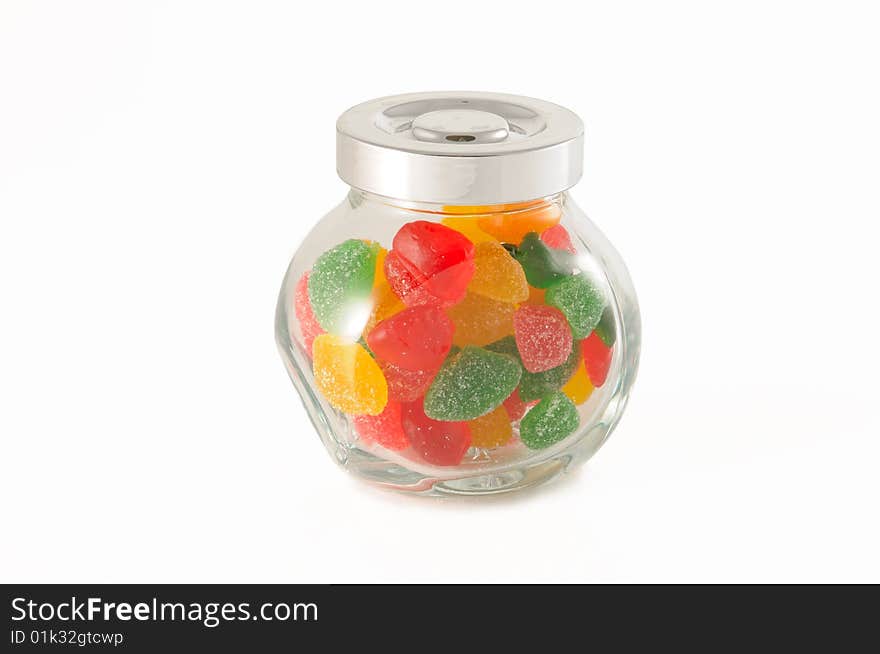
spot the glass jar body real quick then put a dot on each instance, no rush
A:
(403, 324)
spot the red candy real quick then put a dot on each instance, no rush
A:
(597, 358)
(386, 429)
(543, 337)
(438, 443)
(406, 385)
(417, 338)
(308, 323)
(429, 264)
(557, 238)
(515, 407)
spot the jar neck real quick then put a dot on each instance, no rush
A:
(357, 197)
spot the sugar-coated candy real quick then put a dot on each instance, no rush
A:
(579, 388)
(308, 323)
(581, 302)
(605, 329)
(480, 320)
(417, 338)
(340, 284)
(491, 430)
(348, 377)
(558, 238)
(385, 304)
(437, 442)
(471, 383)
(554, 418)
(406, 385)
(543, 337)
(542, 265)
(597, 358)
(379, 270)
(385, 429)
(535, 385)
(429, 264)
(514, 406)
(469, 227)
(536, 295)
(497, 275)
(514, 221)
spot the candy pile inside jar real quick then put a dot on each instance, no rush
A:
(478, 328)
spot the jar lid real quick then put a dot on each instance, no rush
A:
(464, 148)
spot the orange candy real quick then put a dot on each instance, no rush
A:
(469, 227)
(491, 430)
(498, 275)
(578, 388)
(480, 320)
(509, 222)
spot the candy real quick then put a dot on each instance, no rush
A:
(542, 265)
(471, 384)
(605, 329)
(497, 275)
(480, 320)
(514, 406)
(417, 338)
(535, 385)
(340, 286)
(536, 295)
(554, 418)
(385, 304)
(438, 443)
(406, 385)
(385, 429)
(308, 323)
(491, 430)
(517, 220)
(597, 358)
(580, 301)
(578, 389)
(379, 271)
(557, 237)
(468, 227)
(348, 377)
(543, 337)
(429, 264)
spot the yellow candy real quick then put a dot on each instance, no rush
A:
(491, 430)
(516, 221)
(497, 275)
(578, 388)
(348, 377)
(480, 320)
(468, 227)
(379, 275)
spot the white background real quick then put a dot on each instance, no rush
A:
(161, 161)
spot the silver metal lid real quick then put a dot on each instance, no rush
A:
(461, 148)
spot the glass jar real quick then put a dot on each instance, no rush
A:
(457, 325)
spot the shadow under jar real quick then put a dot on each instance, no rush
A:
(457, 325)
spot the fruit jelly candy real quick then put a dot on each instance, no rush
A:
(385, 304)
(471, 384)
(497, 275)
(514, 406)
(554, 418)
(557, 237)
(512, 224)
(491, 430)
(605, 329)
(348, 377)
(417, 338)
(536, 295)
(385, 429)
(468, 227)
(579, 388)
(543, 337)
(340, 286)
(439, 443)
(542, 265)
(406, 385)
(480, 320)
(437, 260)
(535, 385)
(597, 358)
(580, 301)
(379, 270)
(308, 323)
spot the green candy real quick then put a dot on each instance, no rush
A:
(535, 385)
(341, 279)
(471, 384)
(605, 329)
(554, 418)
(580, 301)
(543, 265)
